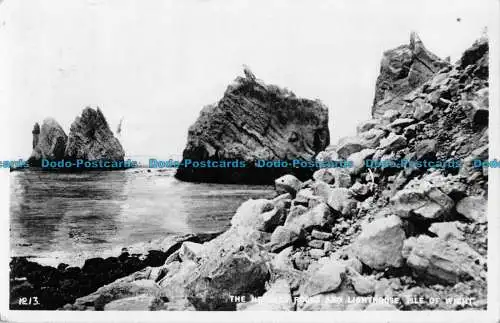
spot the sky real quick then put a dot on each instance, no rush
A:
(157, 63)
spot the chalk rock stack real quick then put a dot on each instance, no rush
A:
(255, 121)
(49, 142)
(90, 138)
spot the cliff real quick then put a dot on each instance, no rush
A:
(255, 121)
(402, 70)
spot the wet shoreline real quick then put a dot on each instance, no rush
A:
(40, 287)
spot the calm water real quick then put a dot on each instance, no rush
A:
(70, 217)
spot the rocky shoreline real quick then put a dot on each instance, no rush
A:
(412, 236)
(50, 288)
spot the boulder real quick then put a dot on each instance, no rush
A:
(326, 278)
(447, 230)
(141, 302)
(341, 200)
(421, 200)
(367, 125)
(316, 253)
(49, 142)
(255, 121)
(258, 214)
(393, 142)
(358, 160)
(362, 285)
(442, 261)
(283, 237)
(372, 137)
(316, 244)
(288, 184)
(389, 116)
(327, 156)
(295, 212)
(190, 251)
(402, 70)
(321, 189)
(480, 153)
(282, 261)
(473, 208)
(321, 235)
(426, 150)
(277, 298)
(326, 175)
(360, 190)
(177, 275)
(234, 264)
(318, 216)
(380, 243)
(348, 146)
(421, 109)
(343, 178)
(399, 124)
(90, 138)
(304, 195)
(115, 291)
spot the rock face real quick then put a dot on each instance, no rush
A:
(442, 261)
(49, 142)
(254, 121)
(234, 265)
(380, 243)
(402, 70)
(91, 138)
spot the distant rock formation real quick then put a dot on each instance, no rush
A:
(403, 69)
(49, 142)
(91, 138)
(254, 121)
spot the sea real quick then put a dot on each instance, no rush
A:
(70, 217)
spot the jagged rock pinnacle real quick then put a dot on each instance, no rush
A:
(248, 73)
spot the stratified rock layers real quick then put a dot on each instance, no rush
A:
(254, 121)
(401, 71)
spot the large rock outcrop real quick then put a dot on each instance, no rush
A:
(403, 69)
(90, 138)
(254, 121)
(49, 142)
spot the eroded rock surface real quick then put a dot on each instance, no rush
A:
(49, 142)
(255, 121)
(90, 138)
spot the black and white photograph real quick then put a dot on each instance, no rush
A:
(283, 158)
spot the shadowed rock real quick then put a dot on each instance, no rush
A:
(90, 138)
(255, 121)
(49, 142)
(402, 70)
